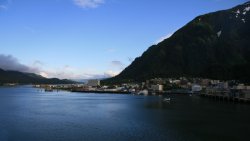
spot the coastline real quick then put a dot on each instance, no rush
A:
(112, 92)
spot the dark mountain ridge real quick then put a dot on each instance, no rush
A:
(28, 78)
(214, 45)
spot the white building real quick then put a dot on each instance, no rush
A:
(196, 88)
(93, 83)
(240, 87)
(157, 87)
(248, 87)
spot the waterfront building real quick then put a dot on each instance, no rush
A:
(177, 82)
(222, 85)
(214, 82)
(205, 82)
(240, 87)
(157, 87)
(196, 88)
(93, 83)
(241, 91)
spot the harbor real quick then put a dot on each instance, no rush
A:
(206, 88)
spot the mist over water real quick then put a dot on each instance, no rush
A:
(28, 114)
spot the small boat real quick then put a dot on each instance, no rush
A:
(143, 92)
(167, 99)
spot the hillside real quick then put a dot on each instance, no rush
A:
(214, 45)
(28, 78)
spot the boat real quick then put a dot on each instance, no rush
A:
(143, 92)
(167, 99)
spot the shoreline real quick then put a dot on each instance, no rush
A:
(112, 92)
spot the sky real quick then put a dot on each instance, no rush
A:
(84, 39)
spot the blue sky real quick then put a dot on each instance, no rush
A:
(89, 38)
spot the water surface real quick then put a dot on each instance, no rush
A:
(28, 114)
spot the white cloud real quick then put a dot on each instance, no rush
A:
(88, 3)
(111, 73)
(65, 72)
(9, 62)
(44, 74)
(163, 38)
(68, 72)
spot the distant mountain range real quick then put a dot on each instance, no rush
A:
(214, 45)
(28, 78)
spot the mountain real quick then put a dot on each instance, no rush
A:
(28, 78)
(214, 45)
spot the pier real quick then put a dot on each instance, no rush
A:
(225, 98)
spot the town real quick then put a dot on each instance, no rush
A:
(222, 90)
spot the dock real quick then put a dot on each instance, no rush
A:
(226, 98)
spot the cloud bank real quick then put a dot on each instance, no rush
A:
(88, 3)
(8, 62)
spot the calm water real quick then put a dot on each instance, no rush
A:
(27, 114)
